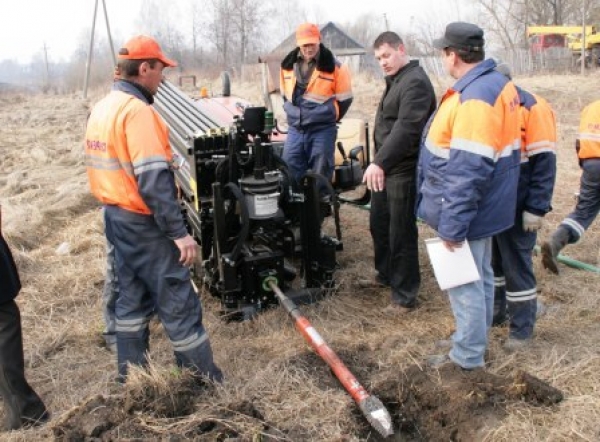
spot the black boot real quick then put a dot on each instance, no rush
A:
(551, 249)
(500, 316)
(132, 348)
(23, 407)
(200, 361)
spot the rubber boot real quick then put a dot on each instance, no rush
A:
(22, 405)
(132, 348)
(200, 360)
(551, 249)
(500, 316)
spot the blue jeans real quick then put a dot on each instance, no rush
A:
(473, 309)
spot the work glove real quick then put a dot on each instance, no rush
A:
(531, 222)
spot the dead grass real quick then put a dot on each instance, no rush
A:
(276, 387)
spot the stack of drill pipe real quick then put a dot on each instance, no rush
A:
(186, 122)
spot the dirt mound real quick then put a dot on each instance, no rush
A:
(451, 404)
(153, 410)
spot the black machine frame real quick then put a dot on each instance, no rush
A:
(254, 225)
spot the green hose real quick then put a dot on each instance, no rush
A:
(573, 262)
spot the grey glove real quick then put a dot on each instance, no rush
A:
(531, 222)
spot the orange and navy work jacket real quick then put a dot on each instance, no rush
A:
(538, 155)
(327, 96)
(588, 141)
(468, 167)
(128, 157)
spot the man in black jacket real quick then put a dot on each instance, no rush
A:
(22, 405)
(405, 107)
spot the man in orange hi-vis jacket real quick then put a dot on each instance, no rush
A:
(571, 228)
(128, 159)
(468, 173)
(515, 285)
(316, 94)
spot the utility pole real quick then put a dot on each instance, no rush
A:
(385, 22)
(88, 64)
(47, 79)
(91, 49)
(112, 48)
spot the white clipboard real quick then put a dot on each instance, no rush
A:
(451, 269)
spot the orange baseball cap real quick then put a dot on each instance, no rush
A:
(307, 33)
(143, 47)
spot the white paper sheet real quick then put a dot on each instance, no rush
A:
(451, 269)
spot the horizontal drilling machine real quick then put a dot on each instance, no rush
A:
(254, 225)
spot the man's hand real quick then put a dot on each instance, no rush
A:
(374, 177)
(451, 245)
(531, 222)
(187, 247)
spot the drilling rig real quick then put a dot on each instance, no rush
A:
(254, 225)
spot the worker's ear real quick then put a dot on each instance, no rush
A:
(144, 66)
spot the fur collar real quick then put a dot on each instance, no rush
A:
(325, 62)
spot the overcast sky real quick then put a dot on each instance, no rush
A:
(27, 25)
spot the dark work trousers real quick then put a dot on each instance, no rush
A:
(151, 278)
(312, 149)
(515, 288)
(109, 296)
(393, 226)
(22, 405)
(588, 202)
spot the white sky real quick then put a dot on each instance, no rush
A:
(26, 25)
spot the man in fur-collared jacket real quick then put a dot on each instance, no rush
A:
(317, 93)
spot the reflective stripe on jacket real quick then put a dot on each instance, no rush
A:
(589, 132)
(538, 155)
(328, 94)
(469, 161)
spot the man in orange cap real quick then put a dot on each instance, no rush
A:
(317, 93)
(128, 160)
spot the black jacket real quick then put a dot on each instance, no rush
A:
(9, 277)
(405, 107)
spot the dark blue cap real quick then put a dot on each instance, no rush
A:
(461, 35)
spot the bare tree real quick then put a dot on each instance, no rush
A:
(247, 20)
(504, 21)
(196, 27)
(366, 28)
(219, 27)
(287, 15)
(164, 27)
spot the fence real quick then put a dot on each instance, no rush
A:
(521, 62)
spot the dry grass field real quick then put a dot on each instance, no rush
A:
(276, 388)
